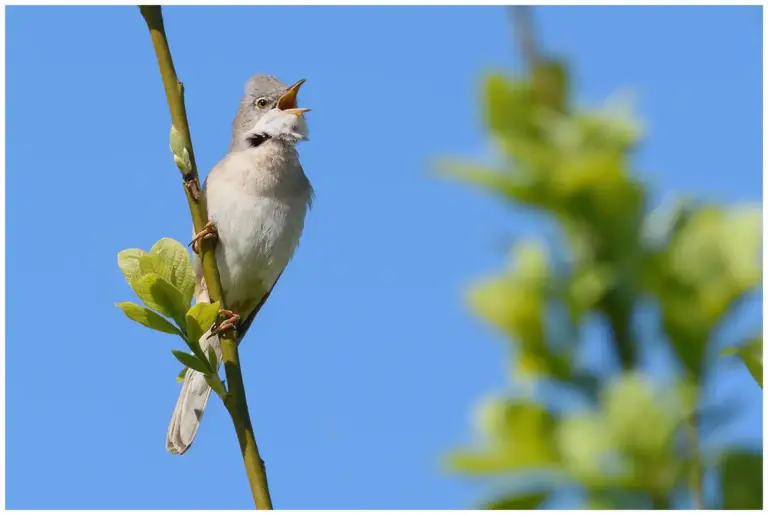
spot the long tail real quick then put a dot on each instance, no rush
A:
(192, 399)
(195, 391)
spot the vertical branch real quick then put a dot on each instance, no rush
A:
(548, 83)
(522, 20)
(618, 311)
(235, 401)
(696, 478)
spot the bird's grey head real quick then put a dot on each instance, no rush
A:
(268, 110)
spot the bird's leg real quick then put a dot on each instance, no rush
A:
(209, 232)
(229, 323)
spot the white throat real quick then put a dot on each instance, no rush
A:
(280, 125)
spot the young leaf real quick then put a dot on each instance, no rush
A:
(510, 107)
(154, 264)
(182, 375)
(519, 436)
(128, 261)
(212, 359)
(520, 501)
(194, 346)
(148, 318)
(215, 383)
(179, 266)
(636, 418)
(583, 442)
(752, 356)
(191, 361)
(200, 318)
(162, 296)
(177, 141)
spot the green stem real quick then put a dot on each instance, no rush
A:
(235, 401)
(618, 310)
(616, 305)
(696, 478)
(660, 502)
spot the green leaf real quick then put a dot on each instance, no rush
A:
(179, 271)
(128, 261)
(480, 463)
(508, 186)
(191, 361)
(589, 173)
(636, 418)
(587, 286)
(519, 436)
(614, 125)
(154, 264)
(516, 304)
(200, 318)
(532, 262)
(742, 480)
(214, 381)
(550, 84)
(160, 295)
(584, 442)
(717, 255)
(618, 498)
(514, 307)
(752, 356)
(182, 374)
(510, 106)
(148, 318)
(197, 350)
(712, 260)
(212, 359)
(518, 502)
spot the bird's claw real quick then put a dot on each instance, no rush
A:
(208, 233)
(228, 323)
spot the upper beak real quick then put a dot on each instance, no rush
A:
(287, 102)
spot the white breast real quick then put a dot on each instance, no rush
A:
(259, 214)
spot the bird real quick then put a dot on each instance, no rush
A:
(257, 196)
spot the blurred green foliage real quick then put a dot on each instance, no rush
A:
(633, 442)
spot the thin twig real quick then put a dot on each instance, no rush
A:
(235, 401)
(522, 20)
(696, 479)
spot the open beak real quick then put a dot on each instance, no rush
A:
(287, 102)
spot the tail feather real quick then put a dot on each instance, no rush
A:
(188, 413)
(192, 399)
(195, 391)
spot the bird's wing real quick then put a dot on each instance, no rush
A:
(201, 291)
(245, 323)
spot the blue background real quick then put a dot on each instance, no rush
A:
(364, 367)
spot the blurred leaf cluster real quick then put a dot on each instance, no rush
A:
(164, 280)
(632, 440)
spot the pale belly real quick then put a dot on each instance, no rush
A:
(257, 238)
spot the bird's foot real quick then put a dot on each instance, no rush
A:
(208, 233)
(228, 323)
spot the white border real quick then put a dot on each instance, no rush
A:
(316, 2)
(413, 3)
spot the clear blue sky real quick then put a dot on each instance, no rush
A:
(365, 365)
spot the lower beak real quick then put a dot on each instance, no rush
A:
(287, 102)
(297, 111)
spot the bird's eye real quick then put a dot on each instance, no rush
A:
(262, 103)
